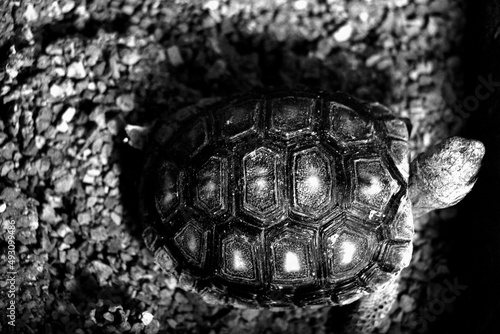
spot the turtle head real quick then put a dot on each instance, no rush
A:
(442, 176)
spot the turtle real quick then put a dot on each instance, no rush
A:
(292, 197)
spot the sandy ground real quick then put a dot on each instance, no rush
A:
(75, 73)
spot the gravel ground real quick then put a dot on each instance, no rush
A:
(74, 73)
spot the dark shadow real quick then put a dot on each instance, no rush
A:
(131, 162)
(474, 235)
(85, 294)
(338, 317)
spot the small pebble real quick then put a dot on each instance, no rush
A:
(64, 184)
(125, 102)
(40, 141)
(211, 5)
(146, 318)
(343, 33)
(76, 70)
(130, 57)
(84, 218)
(116, 218)
(174, 55)
(401, 3)
(69, 114)
(300, 5)
(108, 316)
(407, 303)
(62, 127)
(63, 230)
(56, 91)
(68, 6)
(30, 14)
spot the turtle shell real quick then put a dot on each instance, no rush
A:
(280, 198)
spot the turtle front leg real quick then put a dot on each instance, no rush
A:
(372, 312)
(442, 176)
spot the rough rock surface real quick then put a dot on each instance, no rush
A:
(75, 74)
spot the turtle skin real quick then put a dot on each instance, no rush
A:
(281, 197)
